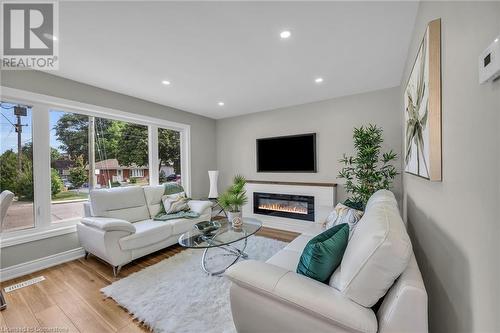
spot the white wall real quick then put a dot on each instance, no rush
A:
(203, 149)
(333, 120)
(455, 223)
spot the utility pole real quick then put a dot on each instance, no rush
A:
(19, 112)
(91, 153)
(19, 130)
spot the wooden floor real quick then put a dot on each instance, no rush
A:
(69, 299)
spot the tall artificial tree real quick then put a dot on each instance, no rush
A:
(369, 170)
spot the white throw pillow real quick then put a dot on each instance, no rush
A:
(344, 214)
(174, 203)
(377, 253)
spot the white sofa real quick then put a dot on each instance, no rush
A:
(271, 297)
(118, 226)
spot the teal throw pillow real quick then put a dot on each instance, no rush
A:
(172, 188)
(323, 254)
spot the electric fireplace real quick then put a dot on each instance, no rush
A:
(300, 207)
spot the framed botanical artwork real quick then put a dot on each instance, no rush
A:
(422, 103)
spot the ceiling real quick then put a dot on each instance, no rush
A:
(232, 51)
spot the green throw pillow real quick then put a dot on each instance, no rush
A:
(172, 188)
(323, 254)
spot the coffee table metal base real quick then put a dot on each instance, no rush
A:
(231, 251)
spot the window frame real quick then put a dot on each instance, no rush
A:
(41, 106)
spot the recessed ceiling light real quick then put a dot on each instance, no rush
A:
(318, 80)
(165, 82)
(496, 40)
(220, 103)
(285, 34)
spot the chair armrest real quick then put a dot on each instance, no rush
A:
(108, 224)
(199, 206)
(302, 292)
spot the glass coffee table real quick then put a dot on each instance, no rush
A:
(224, 247)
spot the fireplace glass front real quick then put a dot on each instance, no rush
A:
(292, 206)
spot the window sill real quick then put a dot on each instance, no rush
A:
(25, 236)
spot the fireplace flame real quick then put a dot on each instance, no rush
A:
(284, 208)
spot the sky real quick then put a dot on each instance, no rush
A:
(8, 135)
(53, 118)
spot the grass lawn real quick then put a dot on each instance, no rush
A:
(69, 195)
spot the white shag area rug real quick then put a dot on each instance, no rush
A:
(176, 296)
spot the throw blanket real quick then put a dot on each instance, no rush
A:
(184, 214)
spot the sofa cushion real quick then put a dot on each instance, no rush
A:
(286, 259)
(126, 203)
(323, 253)
(299, 243)
(199, 206)
(153, 194)
(377, 253)
(314, 229)
(147, 232)
(109, 224)
(180, 226)
(382, 196)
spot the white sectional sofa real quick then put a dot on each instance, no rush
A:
(118, 226)
(272, 297)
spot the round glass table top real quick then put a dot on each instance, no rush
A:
(225, 235)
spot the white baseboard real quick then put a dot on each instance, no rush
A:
(39, 264)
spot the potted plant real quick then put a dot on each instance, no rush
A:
(234, 198)
(368, 170)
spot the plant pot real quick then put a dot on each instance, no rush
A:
(235, 219)
(354, 205)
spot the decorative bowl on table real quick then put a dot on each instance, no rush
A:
(207, 227)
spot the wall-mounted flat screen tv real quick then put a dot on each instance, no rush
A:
(293, 153)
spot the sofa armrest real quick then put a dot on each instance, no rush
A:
(108, 224)
(199, 206)
(299, 291)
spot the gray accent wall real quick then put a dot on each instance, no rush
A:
(333, 120)
(455, 224)
(203, 149)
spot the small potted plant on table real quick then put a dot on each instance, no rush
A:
(233, 200)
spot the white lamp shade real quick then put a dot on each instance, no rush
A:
(213, 175)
